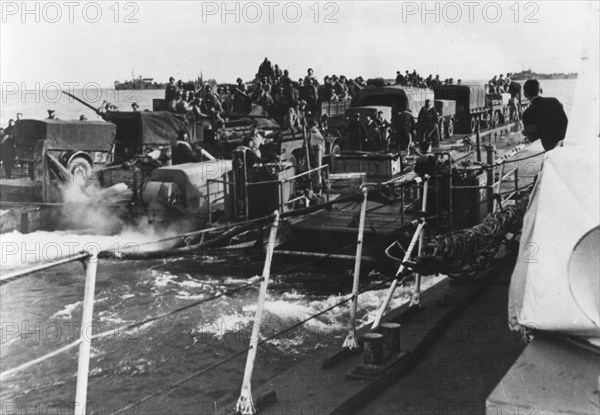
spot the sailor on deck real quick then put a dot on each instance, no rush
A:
(545, 119)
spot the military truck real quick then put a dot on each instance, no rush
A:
(399, 98)
(43, 146)
(471, 106)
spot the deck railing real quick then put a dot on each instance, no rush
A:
(90, 262)
(283, 202)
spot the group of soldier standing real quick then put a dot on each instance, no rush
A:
(402, 134)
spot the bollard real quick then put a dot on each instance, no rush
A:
(391, 337)
(373, 349)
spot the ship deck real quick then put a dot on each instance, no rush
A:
(327, 230)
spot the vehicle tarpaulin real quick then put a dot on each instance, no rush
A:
(65, 135)
(146, 127)
(400, 98)
(469, 98)
(555, 283)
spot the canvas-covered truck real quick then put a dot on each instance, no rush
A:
(399, 98)
(67, 148)
(137, 132)
(471, 106)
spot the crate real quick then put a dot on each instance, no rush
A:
(346, 182)
(376, 167)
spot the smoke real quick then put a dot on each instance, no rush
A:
(88, 206)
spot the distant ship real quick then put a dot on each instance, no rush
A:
(528, 74)
(139, 83)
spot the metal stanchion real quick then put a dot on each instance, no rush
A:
(350, 341)
(245, 405)
(478, 141)
(490, 150)
(416, 295)
(91, 265)
(411, 246)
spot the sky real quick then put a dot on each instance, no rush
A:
(100, 42)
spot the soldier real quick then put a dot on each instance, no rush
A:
(341, 89)
(171, 90)
(309, 77)
(241, 86)
(182, 151)
(384, 127)
(427, 124)
(403, 125)
(373, 137)
(301, 113)
(7, 150)
(277, 72)
(399, 78)
(357, 133)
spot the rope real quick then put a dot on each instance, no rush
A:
(465, 252)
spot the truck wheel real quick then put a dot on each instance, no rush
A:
(80, 167)
(473, 123)
(487, 119)
(334, 151)
(441, 129)
(450, 128)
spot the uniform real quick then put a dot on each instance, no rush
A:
(548, 116)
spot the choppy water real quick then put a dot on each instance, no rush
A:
(42, 312)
